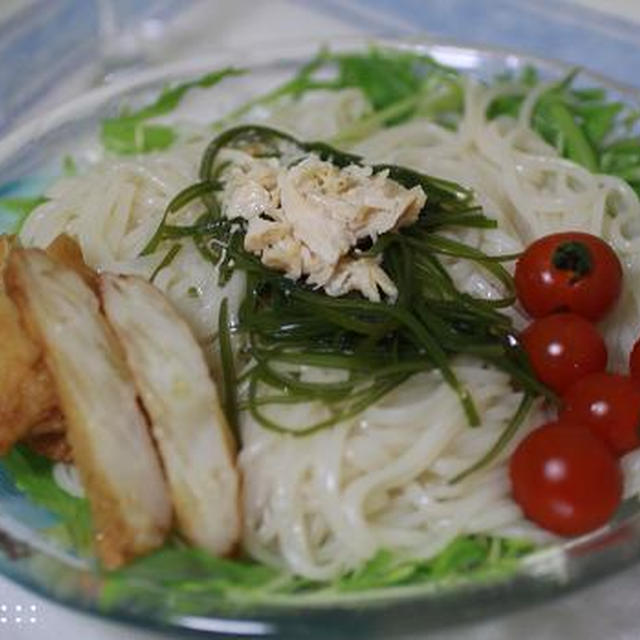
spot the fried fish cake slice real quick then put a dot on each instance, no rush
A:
(67, 251)
(180, 397)
(49, 439)
(53, 425)
(27, 393)
(6, 244)
(106, 428)
(54, 446)
(28, 401)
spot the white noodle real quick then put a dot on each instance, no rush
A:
(323, 504)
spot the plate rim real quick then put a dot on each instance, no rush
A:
(269, 55)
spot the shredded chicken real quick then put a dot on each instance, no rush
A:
(106, 428)
(307, 220)
(181, 400)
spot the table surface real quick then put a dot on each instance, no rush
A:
(606, 610)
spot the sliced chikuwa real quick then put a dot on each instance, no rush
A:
(106, 428)
(181, 399)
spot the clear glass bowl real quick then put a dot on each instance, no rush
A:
(31, 157)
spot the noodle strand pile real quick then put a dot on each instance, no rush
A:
(321, 505)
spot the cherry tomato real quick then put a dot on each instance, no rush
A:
(634, 361)
(563, 348)
(609, 406)
(565, 479)
(570, 271)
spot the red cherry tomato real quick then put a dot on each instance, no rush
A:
(609, 406)
(563, 348)
(565, 479)
(634, 361)
(570, 271)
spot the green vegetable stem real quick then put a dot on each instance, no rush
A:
(377, 344)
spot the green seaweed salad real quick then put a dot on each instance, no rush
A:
(377, 343)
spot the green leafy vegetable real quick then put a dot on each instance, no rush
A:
(585, 127)
(301, 82)
(555, 119)
(383, 570)
(183, 580)
(622, 158)
(32, 474)
(178, 581)
(582, 123)
(464, 557)
(385, 77)
(391, 78)
(131, 133)
(398, 84)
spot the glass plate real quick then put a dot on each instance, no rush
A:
(31, 157)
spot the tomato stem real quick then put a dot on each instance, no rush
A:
(573, 256)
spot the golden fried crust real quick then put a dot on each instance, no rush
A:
(27, 393)
(53, 425)
(49, 439)
(65, 250)
(188, 423)
(6, 243)
(105, 427)
(50, 445)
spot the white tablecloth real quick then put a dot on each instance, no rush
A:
(607, 610)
